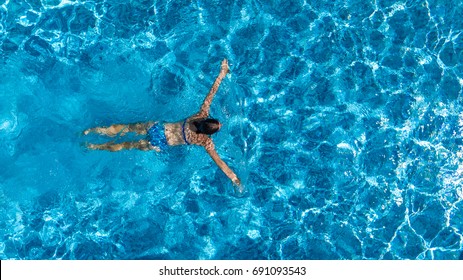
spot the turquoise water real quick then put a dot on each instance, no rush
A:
(342, 118)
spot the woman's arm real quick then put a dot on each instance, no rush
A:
(204, 111)
(222, 165)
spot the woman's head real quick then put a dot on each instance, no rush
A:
(207, 126)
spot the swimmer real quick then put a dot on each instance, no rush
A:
(194, 130)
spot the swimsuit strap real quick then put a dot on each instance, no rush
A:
(183, 134)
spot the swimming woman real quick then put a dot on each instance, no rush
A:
(194, 130)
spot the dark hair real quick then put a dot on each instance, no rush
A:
(207, 126)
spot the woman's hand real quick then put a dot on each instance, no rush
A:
(239, 189)
(224, 67)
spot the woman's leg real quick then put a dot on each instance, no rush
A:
(120, 129)
(142, 145)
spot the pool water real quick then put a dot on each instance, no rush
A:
(343, 120)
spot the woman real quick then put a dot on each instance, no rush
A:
(194, 130)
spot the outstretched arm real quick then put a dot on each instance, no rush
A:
(204, 111)
(220, 163)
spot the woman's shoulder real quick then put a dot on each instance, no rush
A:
(199, 139)
(197, 116)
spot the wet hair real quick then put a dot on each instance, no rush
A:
(207, 126)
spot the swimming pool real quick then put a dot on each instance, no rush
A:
(343, 119)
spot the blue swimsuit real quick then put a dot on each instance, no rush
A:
(157, 137)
